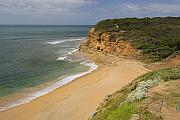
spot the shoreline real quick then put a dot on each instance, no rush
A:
(26, 95)
(61, 82)
(80, 97)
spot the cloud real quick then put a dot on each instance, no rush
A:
(163, 8)
(141, 10)
(41, 6)
(78, 11)
(73, 6)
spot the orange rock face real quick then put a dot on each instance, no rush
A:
(110, 43)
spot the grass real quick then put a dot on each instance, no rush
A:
(116, 109)
(167, 74)
(173, 97)
(123, 112)
(147, 115)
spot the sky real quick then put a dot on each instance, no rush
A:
(81, 12)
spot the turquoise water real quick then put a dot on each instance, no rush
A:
(28, 55)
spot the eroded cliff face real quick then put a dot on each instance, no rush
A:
(109, 42)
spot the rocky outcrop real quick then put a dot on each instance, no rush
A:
(109, 42)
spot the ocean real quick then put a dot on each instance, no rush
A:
(36, 59)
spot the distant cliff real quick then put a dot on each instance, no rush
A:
(153, 38)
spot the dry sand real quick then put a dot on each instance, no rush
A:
(76, 100)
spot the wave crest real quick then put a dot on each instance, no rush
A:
(65, 40)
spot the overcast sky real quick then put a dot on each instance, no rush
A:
(82, 11)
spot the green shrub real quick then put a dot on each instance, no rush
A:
(162, 74)
(157, 37)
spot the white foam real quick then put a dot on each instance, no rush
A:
(65, 40)
(65, 56)
(52, 87)
(61, 58)
(71, 52)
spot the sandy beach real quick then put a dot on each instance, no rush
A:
(76, 100)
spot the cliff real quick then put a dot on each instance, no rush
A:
(109, 43)
(151, 38)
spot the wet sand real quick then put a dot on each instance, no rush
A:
(76, 100)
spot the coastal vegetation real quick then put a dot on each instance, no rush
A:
(157, 37)
(148, 39)
(133, 101)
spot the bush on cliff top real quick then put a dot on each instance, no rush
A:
(158, 37)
